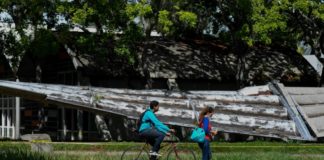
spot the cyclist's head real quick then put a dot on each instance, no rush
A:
(154, 105)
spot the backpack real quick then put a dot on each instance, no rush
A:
(139, 121)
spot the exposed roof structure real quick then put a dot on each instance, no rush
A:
(260, 110)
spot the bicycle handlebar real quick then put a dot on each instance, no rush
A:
(173, 137)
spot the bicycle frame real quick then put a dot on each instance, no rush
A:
(167, 148)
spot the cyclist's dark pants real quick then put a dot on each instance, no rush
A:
(153, 137)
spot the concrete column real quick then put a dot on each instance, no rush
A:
(8, 116)
(63, 124)
(80, 112)
(72, 125)
(17, 118)
(80, 124)
(2, 117)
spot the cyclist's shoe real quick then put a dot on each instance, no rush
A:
(155, 154)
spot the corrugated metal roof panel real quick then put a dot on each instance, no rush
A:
(304, 90)
(318, 125)
(313, 110)
(310, 101)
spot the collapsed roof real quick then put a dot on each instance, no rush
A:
(268, 111)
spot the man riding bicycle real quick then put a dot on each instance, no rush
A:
(152, 129)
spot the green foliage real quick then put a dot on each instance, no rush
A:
(107, 17)
(244, 33)
(44, 44)
(236, 17)
(320, 12)
(164, 22)
(251, 21)
(171, 18)
(187, 18)
(127, 45)
(300, 50)
(123, 50)
(141, 9)
(268, 19)
(80, 15)
(13, 46)
(287, 21)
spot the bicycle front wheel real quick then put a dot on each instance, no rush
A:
(181, 154)
(135, 153)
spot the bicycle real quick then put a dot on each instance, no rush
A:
(169, 147)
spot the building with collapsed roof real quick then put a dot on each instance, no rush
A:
(161, 64)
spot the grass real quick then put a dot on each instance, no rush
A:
(262, 156)
(112, 151)
(222, 147)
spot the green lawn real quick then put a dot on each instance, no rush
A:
(113, 150)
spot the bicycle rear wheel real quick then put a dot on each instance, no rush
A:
(135, 153)
(181, 154)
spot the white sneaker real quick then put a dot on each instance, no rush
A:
(154, 154)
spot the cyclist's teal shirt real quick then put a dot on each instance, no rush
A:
(149, 120)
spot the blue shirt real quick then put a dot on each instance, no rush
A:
(206, 125)
(149, 120)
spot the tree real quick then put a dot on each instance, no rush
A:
(25, 19)
(235, 16)
(267, 22)
(286, 22)
(32, 19)
(121, 25)
(171, 18)
(108, 18)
